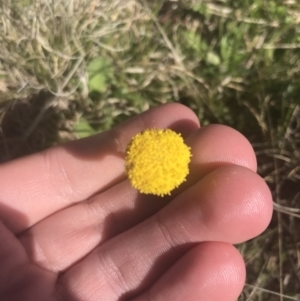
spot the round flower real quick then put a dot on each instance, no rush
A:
(157, 161)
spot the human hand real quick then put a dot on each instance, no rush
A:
(72, 227)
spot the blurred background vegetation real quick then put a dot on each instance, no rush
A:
(72, 68)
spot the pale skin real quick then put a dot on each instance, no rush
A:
(73, 229)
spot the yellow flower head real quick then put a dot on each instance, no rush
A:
(157, 161)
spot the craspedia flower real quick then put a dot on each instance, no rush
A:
(157, 161)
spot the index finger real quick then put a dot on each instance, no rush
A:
(36, 186)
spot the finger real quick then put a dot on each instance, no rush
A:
(216, 145)
(231, 204)
(44, 183)
(88, 224)
(209, 271)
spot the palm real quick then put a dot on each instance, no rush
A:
(74, 229)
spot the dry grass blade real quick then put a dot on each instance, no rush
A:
(283, 297)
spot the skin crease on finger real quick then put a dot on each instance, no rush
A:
(46, 242)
